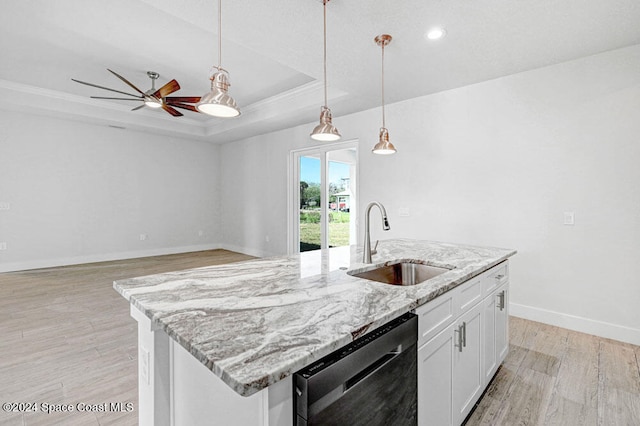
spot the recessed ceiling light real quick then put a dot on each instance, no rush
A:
(435, 33)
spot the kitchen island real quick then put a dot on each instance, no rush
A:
(221, 342)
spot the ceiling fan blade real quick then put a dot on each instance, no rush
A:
(126, 81)
(138, 107)
(118, 99)
(172, 111)
(183, 106)
(167, 89)
(187, 99)
(106, 88)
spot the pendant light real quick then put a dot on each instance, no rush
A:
(217, 102)
(325, 131)
(383, 147)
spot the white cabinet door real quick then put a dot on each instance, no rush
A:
(502, 322)
(467, 370)
(434, 379)
(489, 354)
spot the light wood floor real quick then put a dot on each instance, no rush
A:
(66, 337)
(555, 376)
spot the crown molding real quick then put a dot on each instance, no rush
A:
(293, 107)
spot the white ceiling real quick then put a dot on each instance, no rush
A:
(273, 51)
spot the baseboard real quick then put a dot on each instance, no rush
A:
(246, 250)
(581, 324)
(76, 260)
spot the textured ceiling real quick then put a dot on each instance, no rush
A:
(273, 51)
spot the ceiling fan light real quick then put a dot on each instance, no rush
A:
(325, 131)
(384, 147)
(217, 102)
(153, 103)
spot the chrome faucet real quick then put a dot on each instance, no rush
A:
(367, 235)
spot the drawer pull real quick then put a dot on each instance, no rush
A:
(499, 277)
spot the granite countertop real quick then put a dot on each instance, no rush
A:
(256, 322)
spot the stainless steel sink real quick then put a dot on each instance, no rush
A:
(402, 273)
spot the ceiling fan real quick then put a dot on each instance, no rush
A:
(152, 98)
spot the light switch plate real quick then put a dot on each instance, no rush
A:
(569, 218)
(5, 206)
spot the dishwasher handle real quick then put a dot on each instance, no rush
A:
(372, 369)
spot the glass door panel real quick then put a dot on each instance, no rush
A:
(342, 178)
(323, 197)
(310, 215)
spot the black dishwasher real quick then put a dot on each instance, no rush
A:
(371, 381)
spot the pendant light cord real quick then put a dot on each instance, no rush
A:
(219, 34)
(324, 2)
(383, 121)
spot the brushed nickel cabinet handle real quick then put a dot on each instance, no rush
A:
(499, 277)
(501, 298)
(459, 345)
(464, 334)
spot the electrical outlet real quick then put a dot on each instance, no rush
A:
(3, 246)
(266, 238)
(143, 237)
(5, 206)
(200, 233)
(403, 212)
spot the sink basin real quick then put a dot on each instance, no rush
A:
(402, 273)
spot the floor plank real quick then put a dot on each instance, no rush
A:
(575, 395)
(619, 385)
(526, 401)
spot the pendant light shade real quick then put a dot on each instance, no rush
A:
(218, 102)
(383, 147)
(325, 131)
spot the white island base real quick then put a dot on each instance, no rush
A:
(463, 334)
(175, 389)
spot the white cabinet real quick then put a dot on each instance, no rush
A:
(435, 365)
(490, 357)
(467, 373)
(495, 323)
(502, 322)
(463, 338)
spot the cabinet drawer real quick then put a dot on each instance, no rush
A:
(435, 316)
(470, 294)
(494, 278)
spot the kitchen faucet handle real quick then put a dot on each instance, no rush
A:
(374, 251)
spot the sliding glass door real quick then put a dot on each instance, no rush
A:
(323, 197)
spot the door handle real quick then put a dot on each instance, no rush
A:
(501, 298)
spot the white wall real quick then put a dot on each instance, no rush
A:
(496, 164)
(81, 192)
